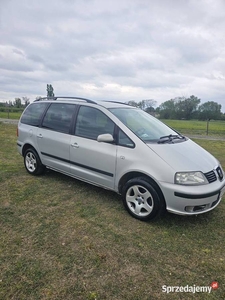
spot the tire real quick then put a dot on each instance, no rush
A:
(33, 163)
(142, 200)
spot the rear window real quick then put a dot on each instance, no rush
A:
(33, 113)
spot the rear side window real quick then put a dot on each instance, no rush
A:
(59, 117)
(33, 113)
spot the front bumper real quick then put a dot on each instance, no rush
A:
(192, 200)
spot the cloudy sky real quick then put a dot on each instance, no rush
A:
(113, 49)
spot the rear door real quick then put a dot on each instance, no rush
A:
(53, 137)
(91, 160)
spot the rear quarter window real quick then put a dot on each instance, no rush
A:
(33, 114)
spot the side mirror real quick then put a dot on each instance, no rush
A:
(106, 138)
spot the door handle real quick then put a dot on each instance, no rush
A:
(75, 145)
(40, 136)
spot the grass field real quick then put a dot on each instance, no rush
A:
(10, 115)
(198, 127)
(64, 239)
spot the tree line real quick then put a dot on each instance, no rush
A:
(182, 108)
(22, 103)
(177, 108)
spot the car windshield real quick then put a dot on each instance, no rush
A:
(145, 126)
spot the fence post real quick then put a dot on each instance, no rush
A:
(207, 127)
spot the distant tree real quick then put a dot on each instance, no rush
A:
(26, 101)
(17, 103)
(146, 105)
(187, 106)
(167, 109)
(150, 110)
(209, 110)
(132, 103)
(50, 91)
(179, 108)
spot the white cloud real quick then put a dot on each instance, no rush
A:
(121, 50)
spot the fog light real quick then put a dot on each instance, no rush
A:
(196, 208)
(189, 208)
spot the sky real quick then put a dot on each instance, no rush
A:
(113, 49)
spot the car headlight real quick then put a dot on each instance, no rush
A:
(190, 178)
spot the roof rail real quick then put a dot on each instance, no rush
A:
(75, 98)
(111, 101)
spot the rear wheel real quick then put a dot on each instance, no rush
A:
(33, 163)
(141, 199)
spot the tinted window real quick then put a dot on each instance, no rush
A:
(124, 140)
(33, 113)
(58, 117)
(92, 122)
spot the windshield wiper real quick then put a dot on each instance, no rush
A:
(170, 138)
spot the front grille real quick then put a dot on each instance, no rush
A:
(211, 176)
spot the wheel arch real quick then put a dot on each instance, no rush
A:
(131, 175)
(33, 163)
(27, 146)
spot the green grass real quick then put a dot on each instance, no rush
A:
(10, 115)
(197, 127)
(64, 239)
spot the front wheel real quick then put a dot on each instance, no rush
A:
(33, 163)
(141, 199)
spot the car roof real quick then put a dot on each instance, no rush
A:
(107, 104)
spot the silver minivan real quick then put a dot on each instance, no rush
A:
(124, 149)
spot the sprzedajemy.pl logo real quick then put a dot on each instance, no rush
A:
(190, 288)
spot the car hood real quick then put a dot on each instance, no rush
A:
(185, 156)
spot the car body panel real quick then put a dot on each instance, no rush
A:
(54, 149)
(195, 196)
(185, 156)
(93, 161)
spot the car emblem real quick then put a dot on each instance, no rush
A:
(219, 172)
